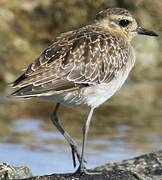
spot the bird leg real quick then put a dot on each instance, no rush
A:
(71, 142)
(82, 169)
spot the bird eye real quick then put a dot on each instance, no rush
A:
(124, 23)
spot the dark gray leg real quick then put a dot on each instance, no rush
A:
(66, 135)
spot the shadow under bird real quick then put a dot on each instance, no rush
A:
(83, 67)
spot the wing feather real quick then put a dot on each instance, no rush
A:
(73, 60)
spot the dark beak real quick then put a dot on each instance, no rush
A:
(143, 31)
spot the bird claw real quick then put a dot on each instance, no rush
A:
(82, 170)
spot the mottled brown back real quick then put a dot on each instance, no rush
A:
(84, 57)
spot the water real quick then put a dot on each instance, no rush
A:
(46, 152)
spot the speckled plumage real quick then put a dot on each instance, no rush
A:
(74, 61)
(84, 66)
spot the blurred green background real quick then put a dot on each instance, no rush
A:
(132, 119)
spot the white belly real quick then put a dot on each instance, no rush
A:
(99, 94)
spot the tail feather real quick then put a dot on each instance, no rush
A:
(17, 81)
(28, 91)
(22, 92)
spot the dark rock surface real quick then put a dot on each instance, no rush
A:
(144, 167)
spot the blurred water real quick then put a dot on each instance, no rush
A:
(46, 152)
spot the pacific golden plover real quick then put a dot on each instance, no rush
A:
(83, 67)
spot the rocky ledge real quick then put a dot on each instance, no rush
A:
(144, 167)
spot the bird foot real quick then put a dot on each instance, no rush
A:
(83, 171)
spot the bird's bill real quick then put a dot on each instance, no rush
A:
(143, 31)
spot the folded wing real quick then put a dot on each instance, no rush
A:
(74, 60)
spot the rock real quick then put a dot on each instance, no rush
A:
(9, 172)
(144, 167)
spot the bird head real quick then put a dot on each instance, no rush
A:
(120, 21)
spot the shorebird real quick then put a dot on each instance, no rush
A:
(83, 67)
